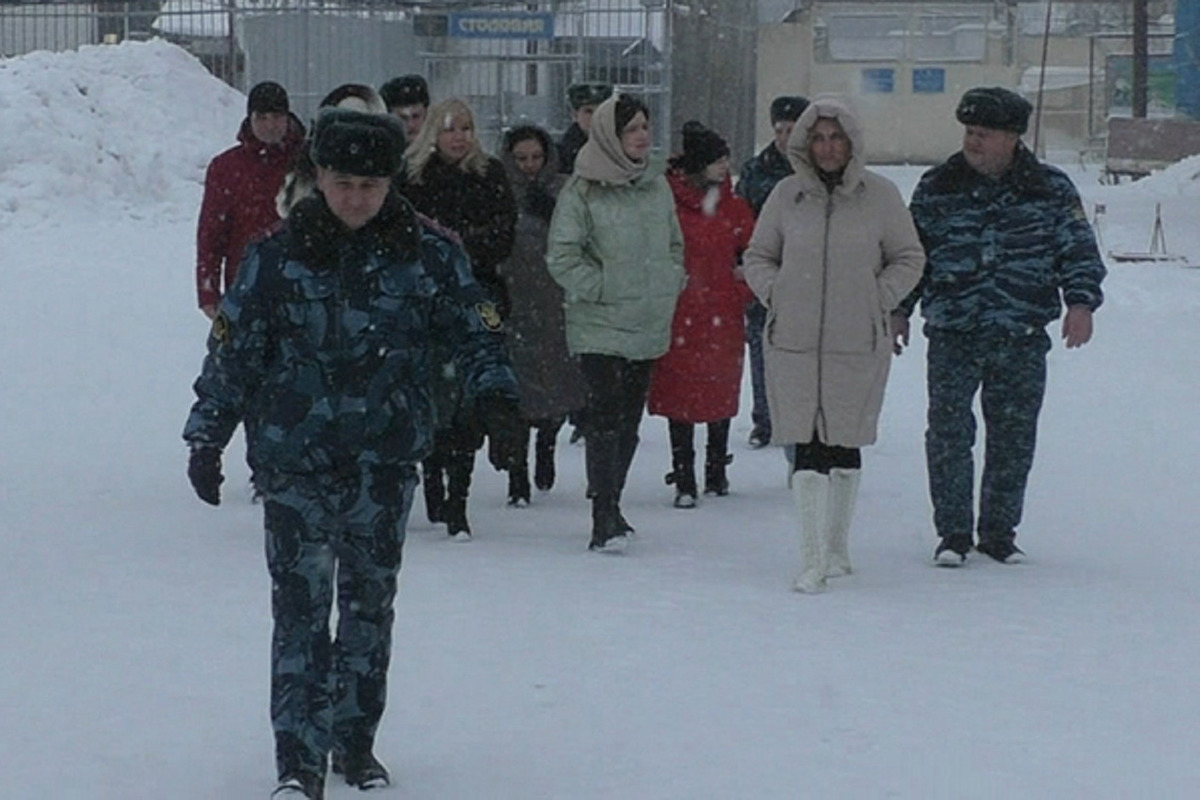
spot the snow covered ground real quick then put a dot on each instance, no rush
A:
(136, 620)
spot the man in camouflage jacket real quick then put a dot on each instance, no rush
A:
(1008, 244)
(324, 341)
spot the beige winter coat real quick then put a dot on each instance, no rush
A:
(830, 269)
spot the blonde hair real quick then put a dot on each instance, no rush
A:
(440, 116)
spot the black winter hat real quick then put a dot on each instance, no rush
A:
(267, 97)
(407, 90)
(356, 97)
(787, 108)
(588, 94)
(701, 147)
(994, 107)
(369, 145)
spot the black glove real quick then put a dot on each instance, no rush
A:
(539, 202)
(501, 419)
(204, 471)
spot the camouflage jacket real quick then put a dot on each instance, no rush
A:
(324, 343)
(1002, 254)
(760, 174)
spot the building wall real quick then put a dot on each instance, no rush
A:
(713, 62)
(904, 126)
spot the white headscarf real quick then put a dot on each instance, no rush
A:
(602, 158)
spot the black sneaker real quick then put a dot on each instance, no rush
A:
(300, 786)
(1002, 550)
(952, 551)
(363, 771)
(759, 438)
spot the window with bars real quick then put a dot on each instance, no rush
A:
(902, 37)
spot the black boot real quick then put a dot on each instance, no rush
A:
(518, 486)
(456, 519)
(435, 489)
(459, 465)
(683, 464)
(715, 480)
(603, 458)
(627, 444)
(716, 458)
(543, 465)
(518, 473)
(608, 533)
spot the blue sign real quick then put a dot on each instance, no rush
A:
(929, 80)
(502, 25)
(878, 81)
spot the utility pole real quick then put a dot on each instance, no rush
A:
(1141, 57)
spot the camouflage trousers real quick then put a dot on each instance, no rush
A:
(1009, 373)
(332, 536)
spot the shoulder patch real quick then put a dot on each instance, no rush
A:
(488, 315)
(222, 331)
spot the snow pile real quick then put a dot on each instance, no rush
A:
(1179, 179)
(111, 131)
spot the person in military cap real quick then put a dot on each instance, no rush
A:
(755, 182)
(324, 342)
(1008, 245)
(408, 98)
(583, 97)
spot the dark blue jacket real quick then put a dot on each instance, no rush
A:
(324, 343)
(569, 146)
(1002, 254)
(760, 174)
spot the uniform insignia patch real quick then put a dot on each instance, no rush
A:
(221, 329)
(489, 315)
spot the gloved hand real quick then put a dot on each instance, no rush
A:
(204, 471)
(539, 202)
(501, 418)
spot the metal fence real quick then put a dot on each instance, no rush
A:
(511, 61)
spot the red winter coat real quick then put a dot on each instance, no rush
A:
(239, 204)
(700, 377)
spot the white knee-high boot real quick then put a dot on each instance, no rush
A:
(810, 493)
(843, 494)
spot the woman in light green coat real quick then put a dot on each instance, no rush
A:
(616, 248)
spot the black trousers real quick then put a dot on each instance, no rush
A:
(817, 456)
(616, 399)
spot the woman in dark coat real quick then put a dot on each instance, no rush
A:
(450, 179)
(699, 379)
(550, 381)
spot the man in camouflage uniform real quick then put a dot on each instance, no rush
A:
(583, 97)
(1007, 244)
(755, 182)
(324, 341)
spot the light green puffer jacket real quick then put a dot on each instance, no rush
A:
(617, 251)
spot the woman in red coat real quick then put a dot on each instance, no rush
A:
(699, 380)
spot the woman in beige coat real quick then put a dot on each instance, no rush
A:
(833, 253)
